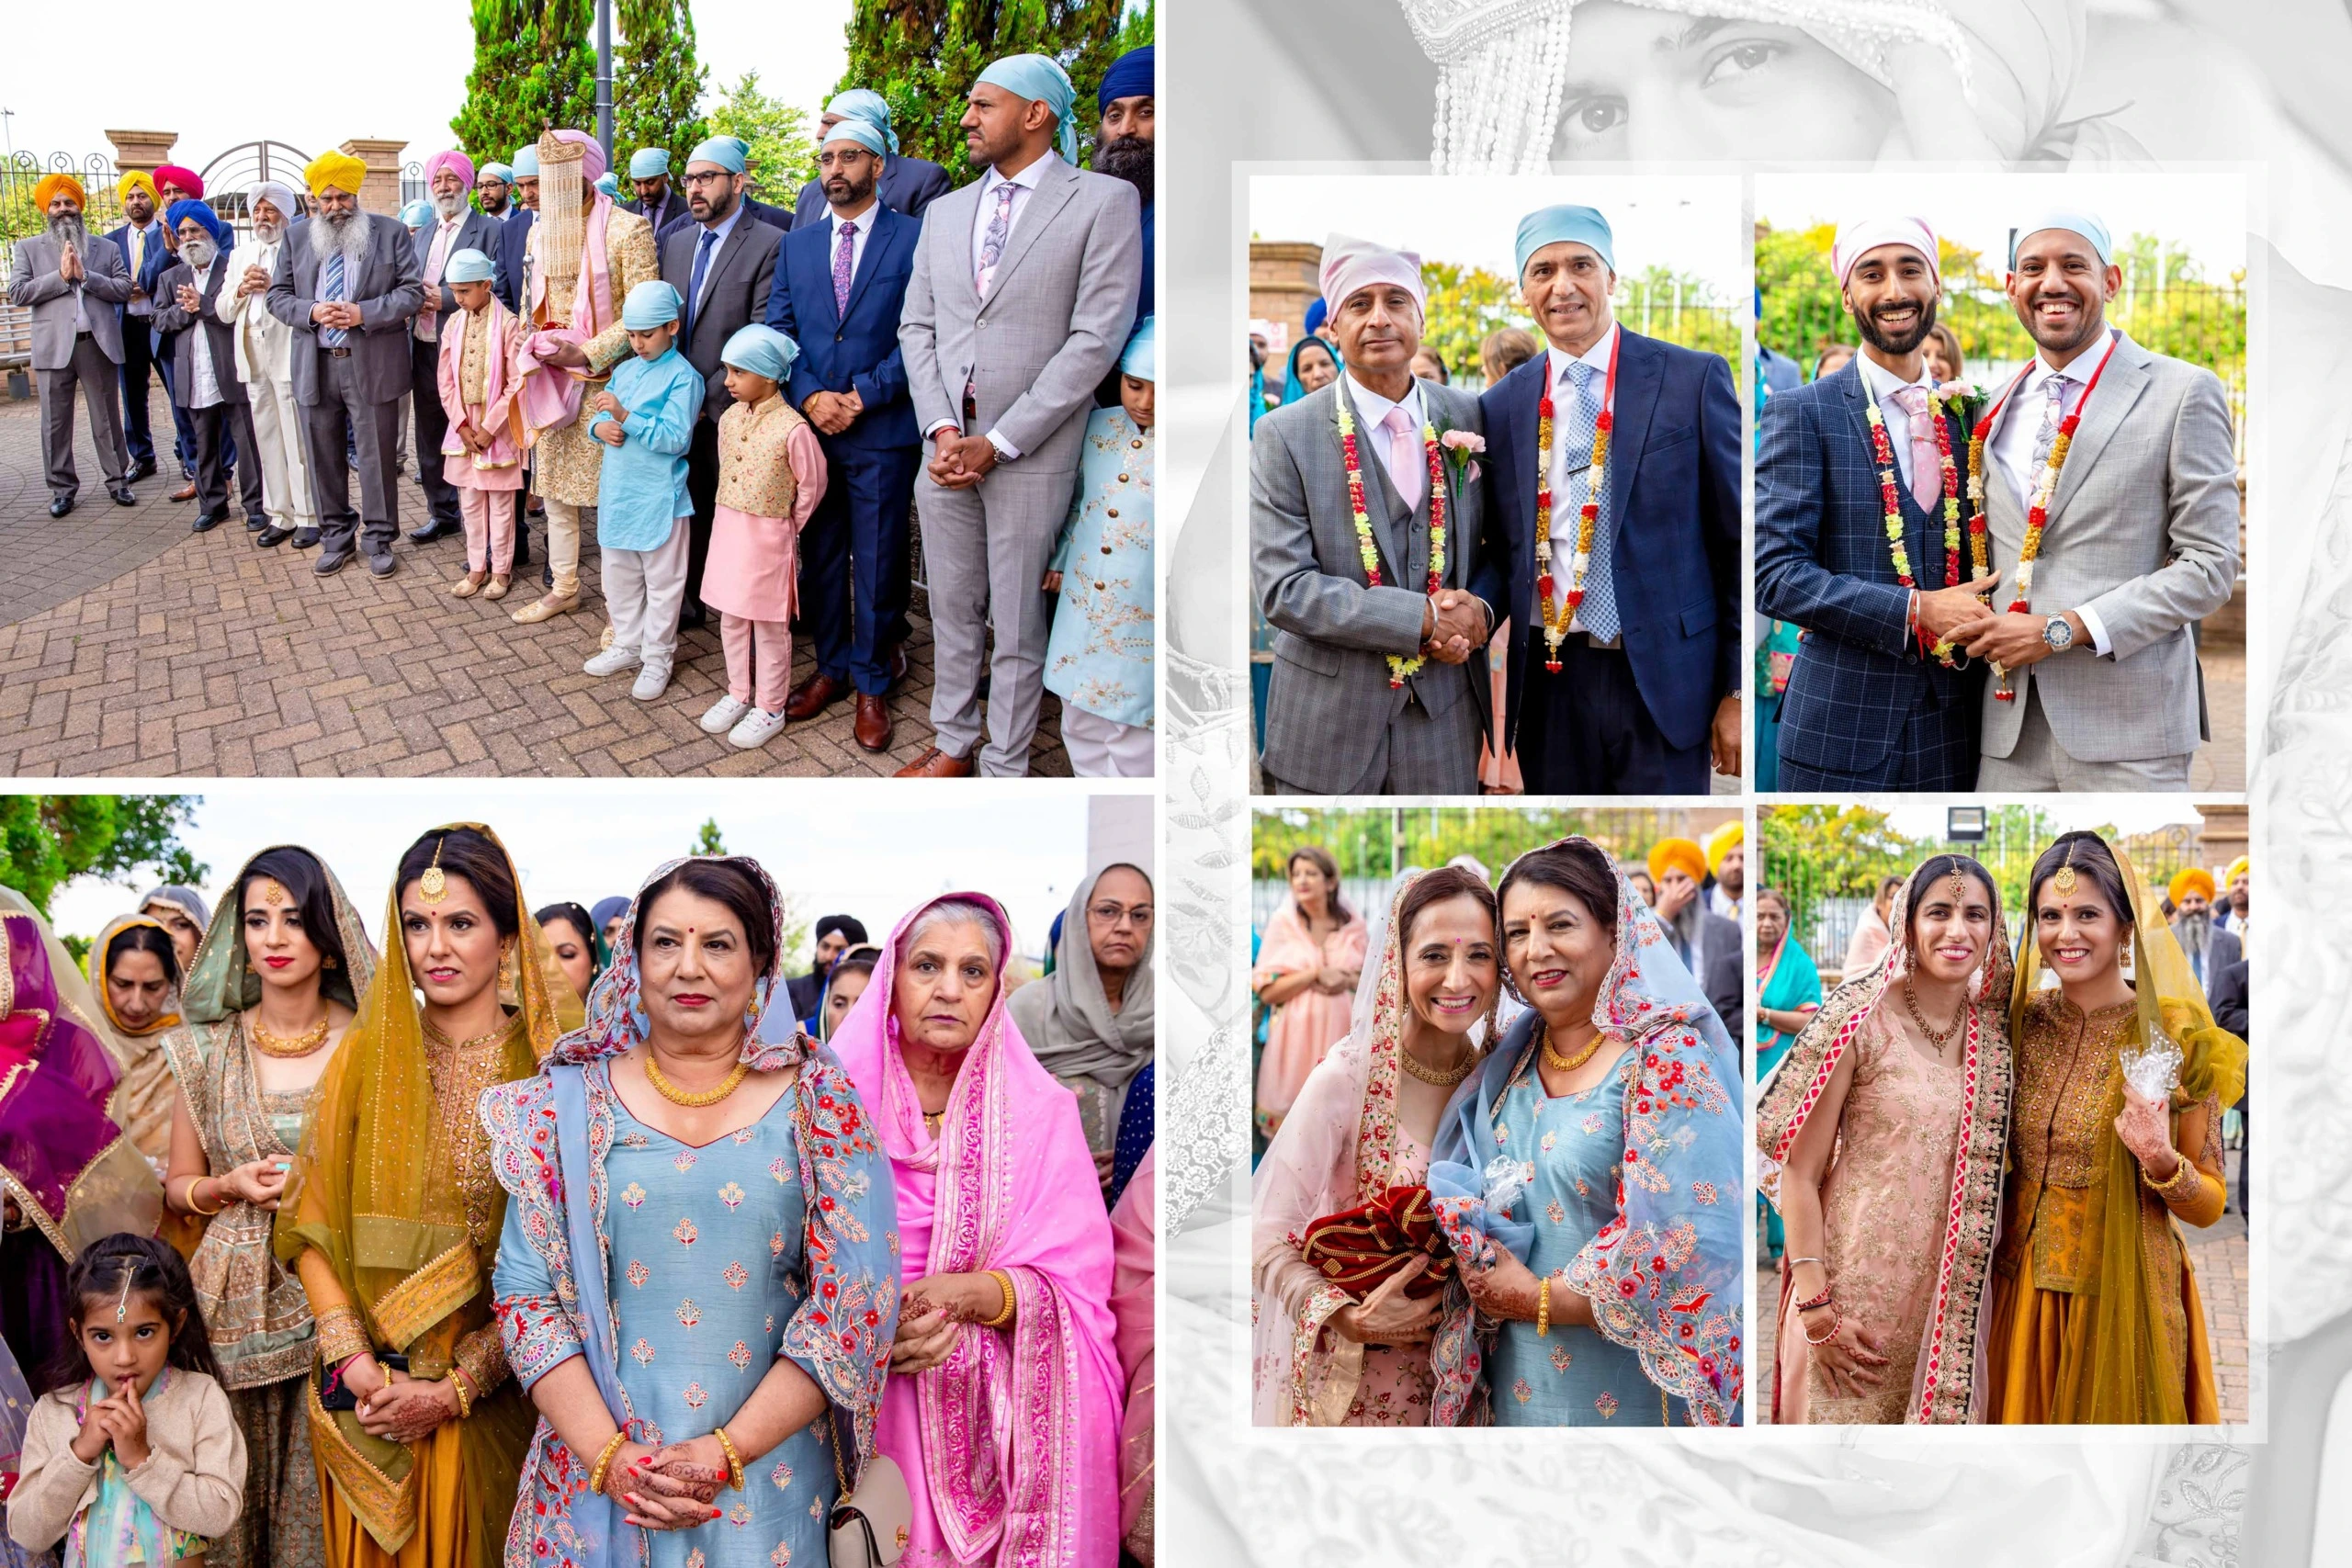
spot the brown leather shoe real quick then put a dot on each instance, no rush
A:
(873, 722)
(186, 491)
(812, 697)
(935, 764)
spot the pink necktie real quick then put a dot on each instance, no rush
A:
(1404, 457)
(1926, 464)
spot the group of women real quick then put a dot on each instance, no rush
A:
(532, 1238)
(1982, 1204)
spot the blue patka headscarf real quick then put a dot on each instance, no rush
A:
(526, 162)
(652, 303)
(609, 183)
(207, 219)
(469, 265)
(1041, 80)
(762, 350)
(646, 163)
(1130, 76)
(1550, 225)
(502, 172)
(1140, 359)
(416, 214)
(727, 152)
(858, 130)
(866, 103)
(2074, 220)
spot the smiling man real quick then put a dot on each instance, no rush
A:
(1851, 498)
(2097, 683)
(1625, 655)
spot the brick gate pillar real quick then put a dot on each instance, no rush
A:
(380, 191)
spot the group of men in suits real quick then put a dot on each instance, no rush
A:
(1592, 497)
(2064, 656)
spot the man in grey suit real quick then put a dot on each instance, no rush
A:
(2210, 947)
(722, 264)
(1380, 683)
(347, 282)
(204, 368)
(72, 280)
(1021, 294)
(456, 226)
(2095, 685)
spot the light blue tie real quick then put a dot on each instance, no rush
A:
(1598, 611)
(330, 288)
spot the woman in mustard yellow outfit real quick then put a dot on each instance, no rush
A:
(2095, 1311)
(391, 1218)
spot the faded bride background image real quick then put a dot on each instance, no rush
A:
(1511, 86)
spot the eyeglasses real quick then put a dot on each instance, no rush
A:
(1110, 914)
(705, 176)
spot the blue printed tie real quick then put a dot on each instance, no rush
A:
(1597, 614)
(992, 242)
(694, 284)
(330, 288)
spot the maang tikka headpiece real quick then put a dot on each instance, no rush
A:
(434, 886)
(123, 1305)
(2063, 879)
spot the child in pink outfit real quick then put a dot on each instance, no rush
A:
(771, 477)
(480, 456)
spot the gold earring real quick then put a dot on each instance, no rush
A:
(509, 971)
(327, 962)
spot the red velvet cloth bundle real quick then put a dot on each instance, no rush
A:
(1357, 1249)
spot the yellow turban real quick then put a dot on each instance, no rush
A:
(340, 169)
(2191, 879)
(2237, 866)
(138, 179)
(1724, 839)
(46, 192)
(1678, 854)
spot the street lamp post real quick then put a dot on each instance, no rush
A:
(605, 78)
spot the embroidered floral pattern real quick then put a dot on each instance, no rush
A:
(638, 1273)
(643, 1351)
(633, 1195)
(1606, 1405)
(688, 1314)
(736, 1275)
(685, 1233)
(1522, 1390)
(695, 1396)
(740, 1356)
(732, 1195)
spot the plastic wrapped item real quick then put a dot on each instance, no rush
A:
(2153, 1073)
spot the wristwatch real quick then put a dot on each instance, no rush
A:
(2059, 633)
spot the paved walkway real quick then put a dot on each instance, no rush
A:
(130, 646)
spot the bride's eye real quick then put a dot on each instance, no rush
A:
(1738, 60)
(1594, 116)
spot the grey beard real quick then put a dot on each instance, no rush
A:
(268, 232)
(69, 231)
(347, 235)
(2196, 932)
(448, 206)
(1683, 929)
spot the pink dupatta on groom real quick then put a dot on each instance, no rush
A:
(1010, 1447)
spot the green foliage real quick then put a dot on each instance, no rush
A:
(1467, 303)
(784, 149)
(1139, 27)
(922, 56)
(656, 82)
(19, 216)
(47, 840)
(1378, 841)
(706, 839)
(534, 67)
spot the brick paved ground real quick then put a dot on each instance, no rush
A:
(2218, 1255)
(2220, 763)
(130, 646)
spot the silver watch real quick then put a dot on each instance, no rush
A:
(2059, 633)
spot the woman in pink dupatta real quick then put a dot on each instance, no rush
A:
(1008, 1435)
(1134, 1230)
(1308, 963)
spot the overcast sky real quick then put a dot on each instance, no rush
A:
(316, 75)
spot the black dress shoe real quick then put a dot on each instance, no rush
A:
(271, 537)
(59, 506)
(255, 524)
(142, 467)
(207, 521)
(692, 618)
(522, 550)
(306, 538)
(332, 562)
(123, 496)
(383, 565)
(435, 528)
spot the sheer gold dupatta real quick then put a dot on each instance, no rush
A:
(398, 1198)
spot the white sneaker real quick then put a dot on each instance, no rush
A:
(611, 662)
(723, 715)
(757, 729)
(651, 680)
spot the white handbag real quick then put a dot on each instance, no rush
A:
(870, 1526)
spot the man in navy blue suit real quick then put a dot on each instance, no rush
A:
(1626, 673)
(148, 256)
(1870, 707)
(905, 185)
(840, 284)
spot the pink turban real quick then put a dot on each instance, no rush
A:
(592, 155)
(1861, 235)
(450, 159)
(1351, 265)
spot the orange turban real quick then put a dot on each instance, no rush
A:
(46, 191)
(2191, 879)
(1678, 854)
(340, 169)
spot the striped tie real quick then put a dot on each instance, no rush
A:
(330, 288)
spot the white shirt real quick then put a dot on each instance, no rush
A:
(206, 393)
(2018, 430)
(437, 259)
(865, 221)
(141, 238)
(1883, 384)
(1568, 495)
(1024, 184)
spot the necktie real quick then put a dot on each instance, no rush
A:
(1926, 465)
(138, 250)
(694, 284)
(1597, 614)
(2053, 409)
(992, 242)
(330, 288)
(844, 253)
(1404, 457)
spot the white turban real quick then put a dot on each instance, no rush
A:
(1349, 264)
(1858, 235)
(278, 193)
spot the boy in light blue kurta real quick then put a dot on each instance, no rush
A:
(646, 419)
(1098, 658)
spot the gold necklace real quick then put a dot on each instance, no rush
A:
(300, 1044)
(695, 1102)
(1560, 1064)
(1911, 1001)
(1428, 1075)
(433, 1033)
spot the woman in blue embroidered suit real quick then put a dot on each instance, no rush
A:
(700, 1255)
(1587, 1176)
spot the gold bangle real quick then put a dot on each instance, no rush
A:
(187, 1196)
(734, 1459)
(2181, 1185)
(596, 1476)
(1543, 1308)
(457, 1380)
(1003, 1282)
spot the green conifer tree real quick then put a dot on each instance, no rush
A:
(534, 67)
(656, 82)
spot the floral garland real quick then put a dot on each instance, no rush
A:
(1557, 616)
(1367, 550)
(1947, 484)
(2037, 517)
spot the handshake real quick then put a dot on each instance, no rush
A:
(1453, 622)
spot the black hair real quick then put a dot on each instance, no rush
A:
(1578, 869)
(572, 915)
(856, 961)
(1436, 887)
(143, 938)
(1934, 869)
(2091, 857)
(470, 853)
(1320, 859)
(96, 1284)
(851, 929)
(299, 872)
(726, 883)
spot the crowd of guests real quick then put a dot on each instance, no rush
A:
(1973, 1193)
(572, 1233)
(751, 398)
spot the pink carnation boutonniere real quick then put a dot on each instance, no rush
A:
(1462, 448)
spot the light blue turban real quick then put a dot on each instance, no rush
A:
(646, 163)
(609, 183)
(526, 162)
(866, 103)
(1141, 357)
(762, 350)
(469, 265)
(416, 214)
(860, 131)
(652, 303)
(1041, 80)
(2074, 222)
(726, 151)
(500, 172)
(1550, 225)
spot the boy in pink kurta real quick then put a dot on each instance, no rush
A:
(479, 457)
(771, 477)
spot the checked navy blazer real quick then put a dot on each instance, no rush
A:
(1865, 708)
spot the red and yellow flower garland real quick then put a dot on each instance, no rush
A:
(1947, 484)
(1368, 549)
(1557, 616)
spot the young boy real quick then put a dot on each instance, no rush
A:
(479, 455)
(646, 419)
